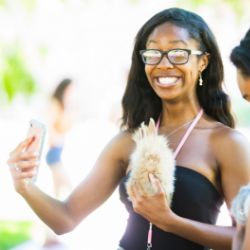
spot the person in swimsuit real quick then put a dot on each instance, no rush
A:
(240, 57)
(176, 74)
(61, 122)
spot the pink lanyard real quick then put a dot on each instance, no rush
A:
(177, 150)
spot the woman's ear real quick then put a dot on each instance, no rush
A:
(204, 61)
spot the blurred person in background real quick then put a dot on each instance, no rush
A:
(61, 119)
(240, 57)
(176, 75)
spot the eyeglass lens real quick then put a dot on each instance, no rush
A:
(174, 56)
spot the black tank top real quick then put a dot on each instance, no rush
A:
(195, 198)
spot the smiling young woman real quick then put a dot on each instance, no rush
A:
(176, 75)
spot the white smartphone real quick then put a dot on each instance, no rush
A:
(37, 132)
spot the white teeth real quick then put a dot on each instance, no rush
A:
(167, 80)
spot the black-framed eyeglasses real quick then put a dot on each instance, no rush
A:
(175, 56)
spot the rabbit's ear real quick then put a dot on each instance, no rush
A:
(151, 127)
(138, 134)
(144, 129)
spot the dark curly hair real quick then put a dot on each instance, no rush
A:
(240, 55)
(140, 102)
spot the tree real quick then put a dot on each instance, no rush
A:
(15, 77)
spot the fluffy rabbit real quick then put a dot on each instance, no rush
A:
(151, 155)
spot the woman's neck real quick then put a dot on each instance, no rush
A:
(174, 115)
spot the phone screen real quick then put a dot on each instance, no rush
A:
(37, 132)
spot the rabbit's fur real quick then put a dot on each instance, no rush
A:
(151, 155)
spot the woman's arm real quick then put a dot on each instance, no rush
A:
(233, 156)
(63, 216)
(232, 152)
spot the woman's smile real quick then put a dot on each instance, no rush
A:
(167, 81)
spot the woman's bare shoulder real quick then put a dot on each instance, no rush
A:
(232, 152)
(230, 146)
(123, 138)
(121, 145)
(224, 135)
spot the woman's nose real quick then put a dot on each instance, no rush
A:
(165, 62)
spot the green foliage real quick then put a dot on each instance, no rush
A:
(193, 3)
(134, 1)
(2, 3)
(13, 233)
(15, 78)
(29, 4)
(236, 5)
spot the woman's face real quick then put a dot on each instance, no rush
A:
(244, 85)
(169, 81)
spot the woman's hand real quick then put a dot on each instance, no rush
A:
(154, 208)
(23, 165)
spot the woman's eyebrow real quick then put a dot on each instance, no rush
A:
(171, 42)
(179, 41)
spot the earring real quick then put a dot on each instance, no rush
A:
(200, 80)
